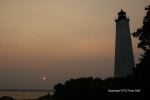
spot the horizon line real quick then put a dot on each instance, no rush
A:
(26, 90)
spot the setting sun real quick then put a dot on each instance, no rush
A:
(44, 78)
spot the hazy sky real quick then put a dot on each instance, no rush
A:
(60, 39)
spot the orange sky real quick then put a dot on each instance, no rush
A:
(60, 39)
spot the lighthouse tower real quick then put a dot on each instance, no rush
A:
(124, 60)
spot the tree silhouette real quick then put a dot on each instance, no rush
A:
(6, 98)
(142, 70)
(93, 88)
(143, 33)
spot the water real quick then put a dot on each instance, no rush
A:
(20, 95)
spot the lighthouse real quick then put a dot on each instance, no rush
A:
(124, 60)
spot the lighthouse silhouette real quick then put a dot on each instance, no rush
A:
(124, 60)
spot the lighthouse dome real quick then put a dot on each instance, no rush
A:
(122, 13)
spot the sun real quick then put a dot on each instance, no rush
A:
(44, 78)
